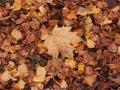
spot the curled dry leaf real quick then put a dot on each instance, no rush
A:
(59, 41)
(40, 75)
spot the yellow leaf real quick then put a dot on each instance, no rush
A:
(17, 5)
(90, 43)
(81, 67)
(70, 62)
(95, 10)
(59, 41)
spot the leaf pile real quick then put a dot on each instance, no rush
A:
(59, 44)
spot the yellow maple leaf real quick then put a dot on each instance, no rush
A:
(59, 41)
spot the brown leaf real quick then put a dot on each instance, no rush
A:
(90, 79)
(116, 80)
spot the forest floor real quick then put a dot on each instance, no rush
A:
(59, 44)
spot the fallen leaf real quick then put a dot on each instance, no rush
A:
(59, 41)
(35, 24)
(112, 47)
(118, 23)
(88, 25)
(81, 68)
(114, 15)
(95, 10)
(34, 88)
(90, 79)
(118, 49)
(44, 33)
(6, 76)
(21, 84)
(90, 43)
(41, 71)
(116, 9)
(40, 86)
(88, 70)
(63, 84)
(42, 48)
(116, 80)
(112, 66)
(105, 21)
(42, 10)
(101, 4)
(70, 62)
(17, 5)
(16, 34)
(11, 64)
(83, 11)
(40, 74)
(72, 15)
(23, 70)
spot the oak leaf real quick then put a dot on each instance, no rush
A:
(59, 41)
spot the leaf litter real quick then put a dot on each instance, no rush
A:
(59, 44)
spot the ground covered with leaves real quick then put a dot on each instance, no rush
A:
(59, 44)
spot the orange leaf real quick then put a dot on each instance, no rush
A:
(72, 15)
